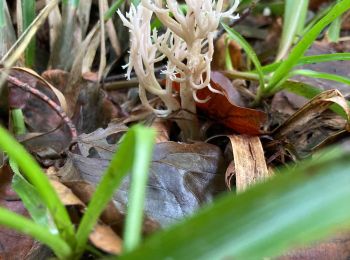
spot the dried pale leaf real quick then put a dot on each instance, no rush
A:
(80, 55)
(102, 141)
(68, 40)
(65, 194)
(313, 108)
(112, 34)
(7, 32)
(55, 22)
(84, 15)
(103, 61)
(91, 53)
(230, 173)
(249, 161)
(105, 239)
(162, 128)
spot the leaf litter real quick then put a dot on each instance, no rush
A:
(183, 175)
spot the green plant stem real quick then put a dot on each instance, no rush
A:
(137, 142)
(28, 14)
(232, 34)
(28, 227)
(228, 61)
(72, 3)
(334, 29)
(137, 193)
(111, 11)
(304, 204)
(32, 171)
(17, 119)
(298, 51)
(294, 19)
(310, 60)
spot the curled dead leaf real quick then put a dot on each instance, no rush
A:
(313, 108)
(104, 238)
(249, 161)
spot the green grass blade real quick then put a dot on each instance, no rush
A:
(30, 198)
(28, 227)
(137, 193)
(72, 3)
(232, 34)
(321, 75)
(21, 44)
(293, 22)
(137, 142)
(304, 204)
(310, 60)
(32, 171)
(28, 16)
(309, 92)
(26, 191)
(298, 51)
(135, 2)
(334, 30)
(112, 10)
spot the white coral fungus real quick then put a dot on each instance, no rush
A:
(187, 44)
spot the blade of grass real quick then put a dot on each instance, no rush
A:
(21, 44)
(133, 154)
(303, 204)
(310, 60)
(28, 16)
(321, 75)
(28, 227)
(137, 193)
(293, 22)
(35, 175)
(17, 49)
(309, 92)
(72, 3)
(112, 10)
(334, 29)
(31, 199)
(298, 51)
(232, 34)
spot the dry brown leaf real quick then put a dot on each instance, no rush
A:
(220, 53)
(65, 194)
(313, 108)
(104, 238)
(249, 161)
(162, 128)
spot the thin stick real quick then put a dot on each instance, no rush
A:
(24, 86)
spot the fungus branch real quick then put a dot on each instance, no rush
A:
(187, 45)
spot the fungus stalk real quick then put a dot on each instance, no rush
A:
(188, 46)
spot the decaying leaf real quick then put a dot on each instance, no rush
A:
(182, 177)
(102, 141)
(67, 197)
(104, 238)
(163, 130)
(313, 108)
(222, 108)
(249, 161)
